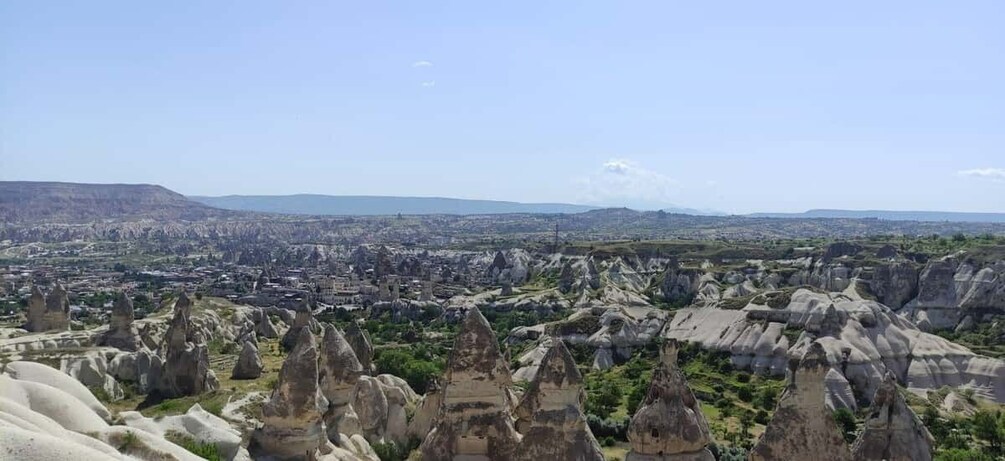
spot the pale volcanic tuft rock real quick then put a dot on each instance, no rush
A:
(550, 414)
(893, 431)
(669, 424)
(186, 364)
(293, 425)
(122, 334)
(802, 426)
(361, 345)
(474, 420)
(339, 371)
(249, 363)
(36, 310)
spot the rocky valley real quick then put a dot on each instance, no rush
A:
(603, 335)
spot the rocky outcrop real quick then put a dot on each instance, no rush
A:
(550, 415)
(669, 424)
(426, 412)
(893, 432)
(44, 421)
(122, 334)
(47, 313)
(578, 276)
(186, 363)
(303, 319)
(679, 286)
(293, 425)
(36, 310)
(249, 363)
(895, 283)
(865, 337)
(338, 373)
(802, 426)
(265, 328)
(361, 345)
(953, 287)
(57, 309)
(474, 419)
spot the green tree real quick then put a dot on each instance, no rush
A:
(986, 428)
(604, 400)
(846, 421)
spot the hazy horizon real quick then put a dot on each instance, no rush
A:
(767, 107)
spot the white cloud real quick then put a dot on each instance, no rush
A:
(994, 174)
(428, 84)
(422, 64)
(623, 182)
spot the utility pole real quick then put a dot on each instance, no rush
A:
(554, 248)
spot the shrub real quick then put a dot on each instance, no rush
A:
(601, 427)
(745, 393)
(203, 450)
(846, 421)
(389, 451)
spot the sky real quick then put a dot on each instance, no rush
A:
(735, 106)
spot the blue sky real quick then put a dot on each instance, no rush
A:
(735, 106)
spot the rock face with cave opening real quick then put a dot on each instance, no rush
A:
(669, 424)
(802, 426)
(475, 421)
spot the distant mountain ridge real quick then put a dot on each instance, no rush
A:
(931, 216)
(31, 201)
(372, 205)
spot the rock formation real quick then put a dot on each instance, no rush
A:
(802, 426)
(426, 412)
(550, 414)
(46, 313)
(361, 345)
(895, 283)
(474, 420)
(186, 364)
(36, 311)
(122, 334)
(57, 309)
(249, 364)
(293, 426)
(893, 432)
(339, 371)
(303, 320)
(669, 424)
(265, 328)
(867, 337)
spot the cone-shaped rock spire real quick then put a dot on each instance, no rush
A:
(803, 427)
(361, 345)
(122, 334)
(893, 432)
(186, 363)
(339, 372)
(669, 422)
(36, 310)
(293, 425)
(550, 415)
(474, 419)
